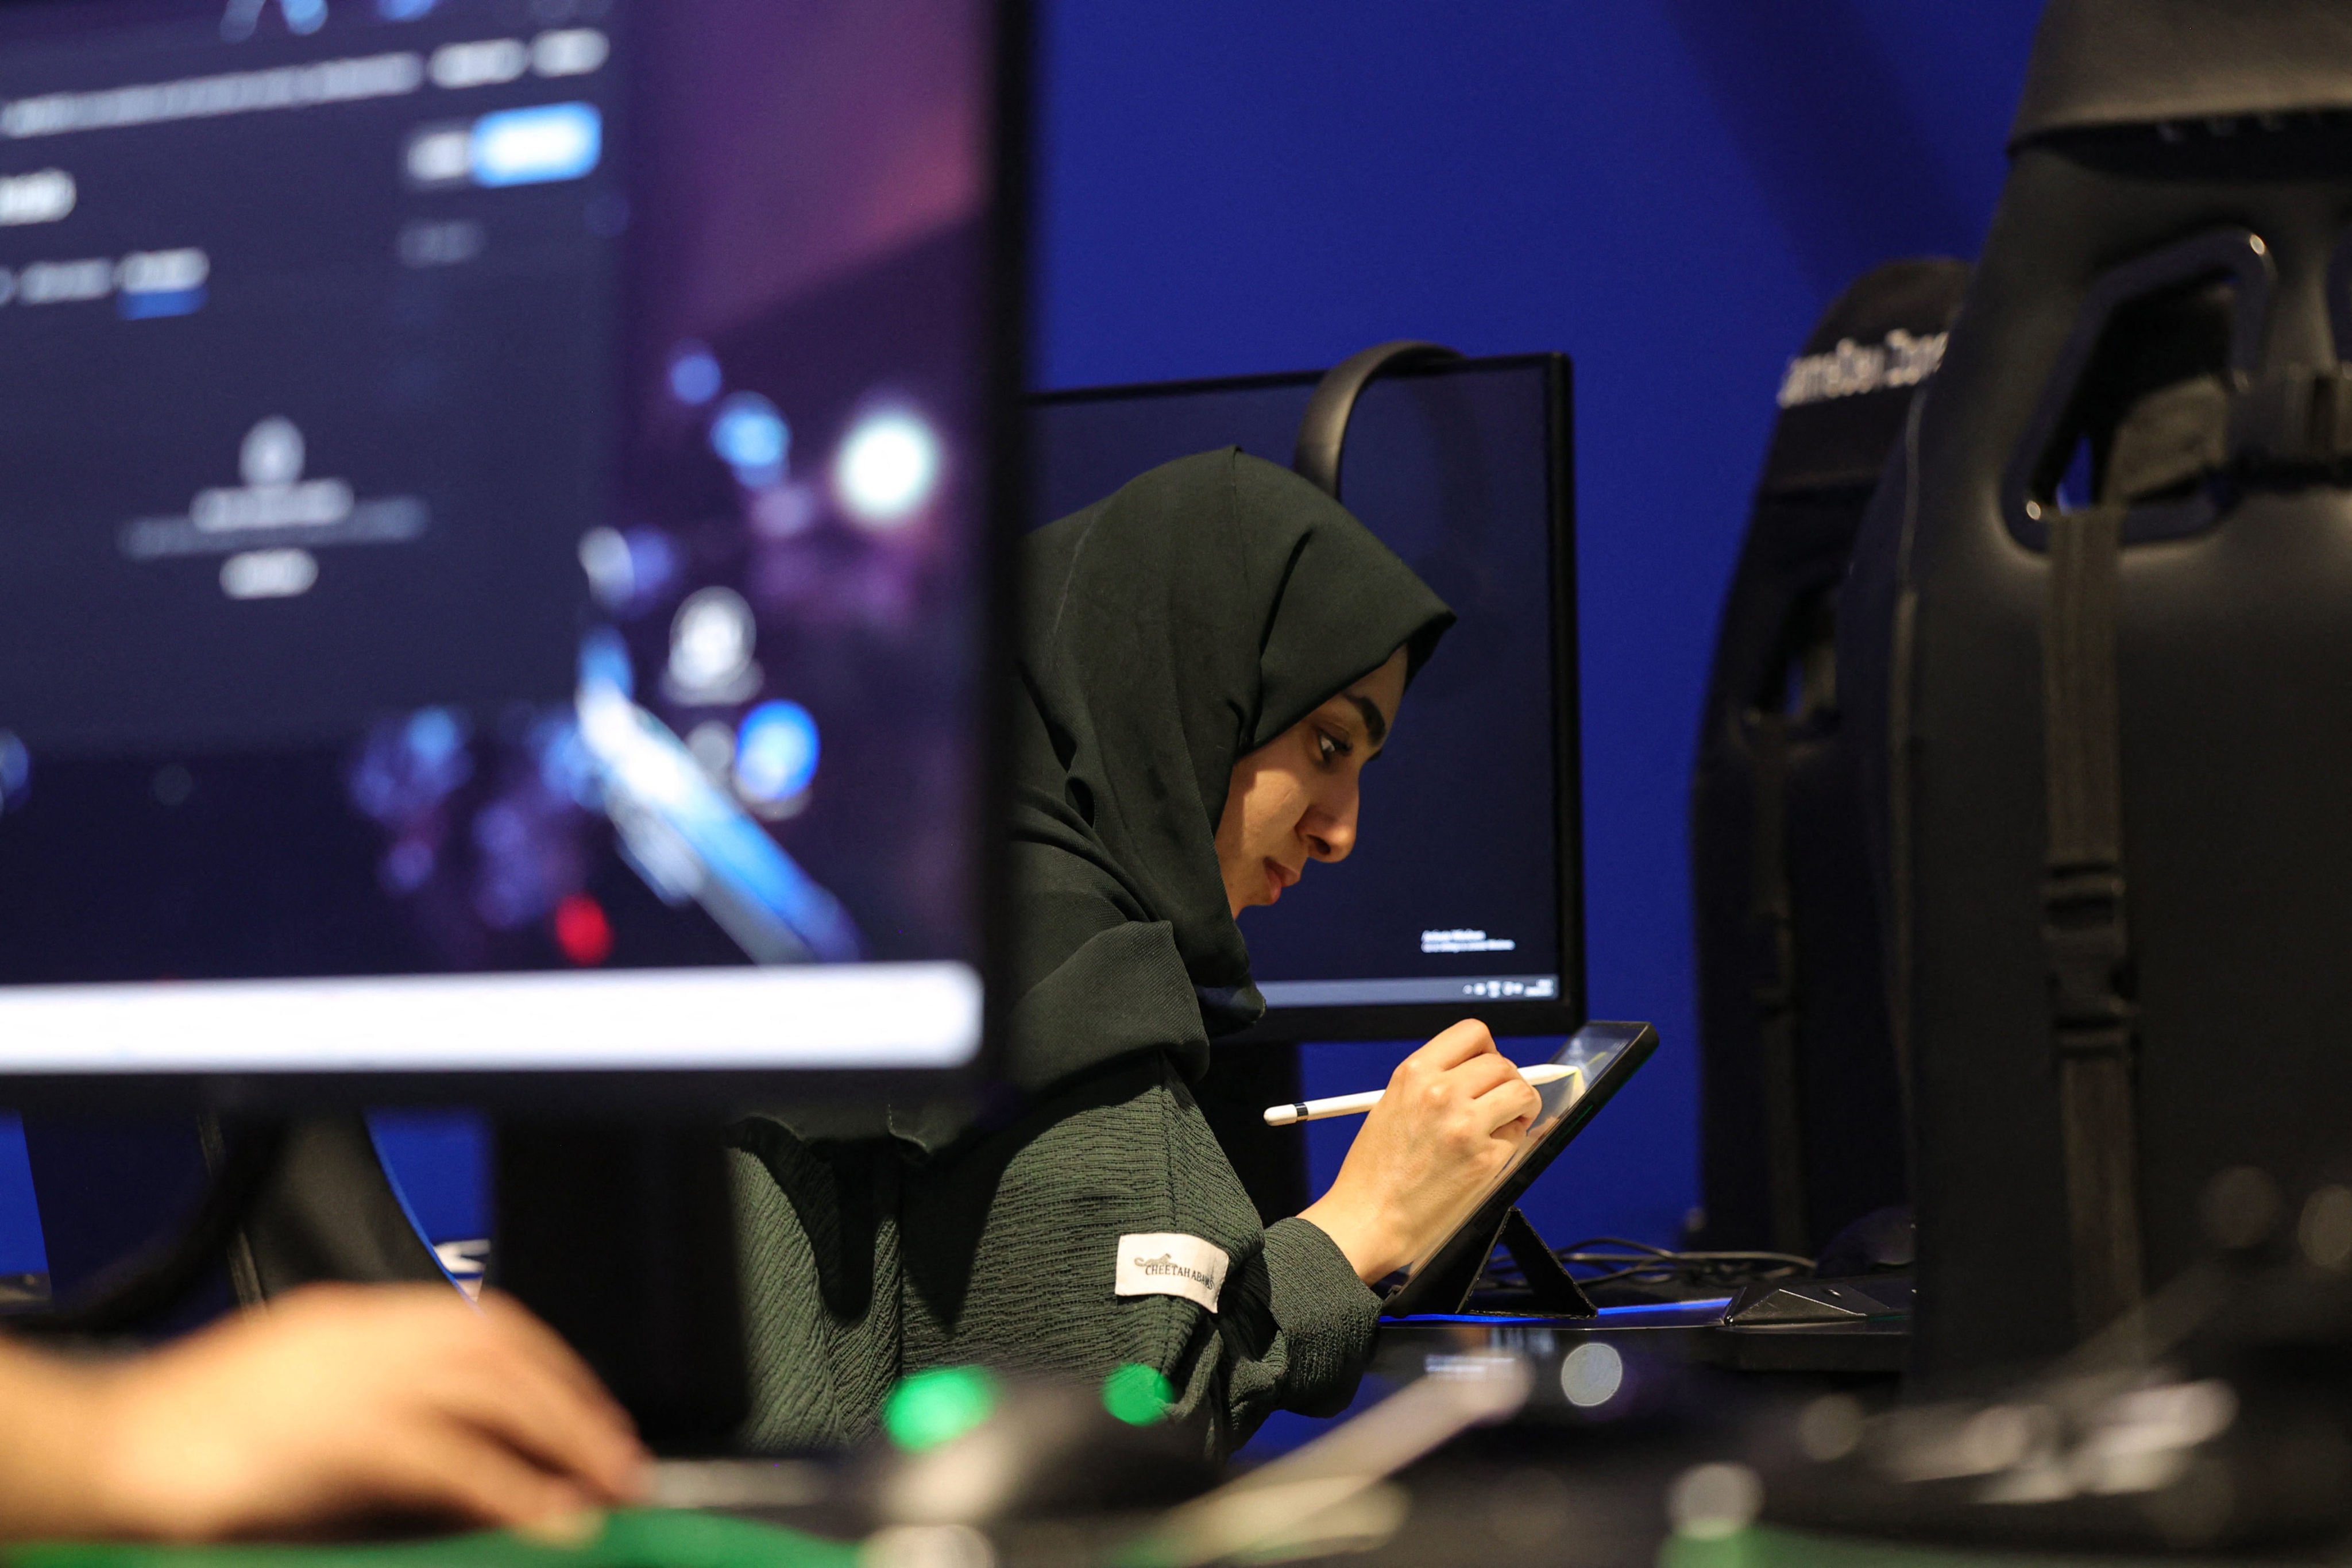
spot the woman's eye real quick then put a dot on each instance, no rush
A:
(1326, 749)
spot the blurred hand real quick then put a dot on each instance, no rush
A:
(334, 1405)
(1453, 1114)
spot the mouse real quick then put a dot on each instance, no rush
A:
(1881, 1240)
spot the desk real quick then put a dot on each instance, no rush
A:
(1764, 1546)
(1581, 1478)
(1582, 1487)
(641, 1537)
(1578, 1480)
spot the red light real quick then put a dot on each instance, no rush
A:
(582, 932)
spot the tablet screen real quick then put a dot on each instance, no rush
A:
(1603, 1054)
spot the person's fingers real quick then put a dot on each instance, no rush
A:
(507, 1375)
(1482, 1074)
(563, 1530)
(1455, 1045)
(517, 1323)
(534, 1412)
(337, 1403)
(446, 1467)
(1517, 1100)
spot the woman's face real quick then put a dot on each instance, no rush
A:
(1293, 799)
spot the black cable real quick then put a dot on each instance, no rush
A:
(152, 1281)
(1644, 1261)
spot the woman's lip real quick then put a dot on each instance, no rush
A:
(1278, 877)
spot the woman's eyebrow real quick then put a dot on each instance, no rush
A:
(1375, 724)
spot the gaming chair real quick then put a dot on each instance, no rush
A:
(2099, 634)
(1801, 1115)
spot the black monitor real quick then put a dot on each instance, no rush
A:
(497, 569)
(1465, 893)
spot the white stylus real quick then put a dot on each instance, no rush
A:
(1357, 1104)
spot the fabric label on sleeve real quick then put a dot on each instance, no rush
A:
(1169, 1264)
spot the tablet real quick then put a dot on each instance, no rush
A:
(1605, 1055)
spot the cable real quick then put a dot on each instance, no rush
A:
(1642, 1261)
(153, 1281)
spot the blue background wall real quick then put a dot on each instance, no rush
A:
(1670, 192)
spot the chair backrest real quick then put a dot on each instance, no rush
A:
(2111, 800)
(1801, 1114)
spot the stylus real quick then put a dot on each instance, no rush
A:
(1357, 1104)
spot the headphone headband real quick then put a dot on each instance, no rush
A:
(1324, 432)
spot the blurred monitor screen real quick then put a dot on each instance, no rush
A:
(497, 517)
(1465, 892)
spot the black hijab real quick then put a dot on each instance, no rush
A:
(1166, 633)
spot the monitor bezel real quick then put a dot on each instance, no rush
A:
(848, 1094)
(1410, 1020)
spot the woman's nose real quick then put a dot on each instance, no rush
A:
(1331, 834)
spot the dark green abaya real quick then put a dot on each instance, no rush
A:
(1165, 633)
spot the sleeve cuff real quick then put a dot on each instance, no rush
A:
(1326, 1314)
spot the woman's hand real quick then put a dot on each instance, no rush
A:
(335, 1403)
(1453, 1115)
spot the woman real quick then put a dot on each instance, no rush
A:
(1208, 660)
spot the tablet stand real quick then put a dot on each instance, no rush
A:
(1555, 1289)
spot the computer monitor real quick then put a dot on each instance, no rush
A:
(1465, 892)
(496, 569)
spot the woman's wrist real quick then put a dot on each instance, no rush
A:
(1360, 1232)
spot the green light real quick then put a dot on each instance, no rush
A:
(930, 1408)
(1137, 1394)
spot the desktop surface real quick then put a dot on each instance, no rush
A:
(632, 1537)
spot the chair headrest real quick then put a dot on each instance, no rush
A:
(2100, 63)
(1843, 397)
